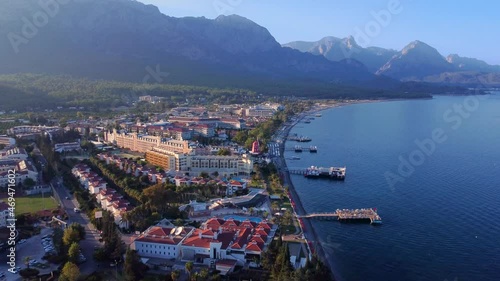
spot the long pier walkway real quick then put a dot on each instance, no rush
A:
(366, 214)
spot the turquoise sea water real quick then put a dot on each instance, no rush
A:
(440, 211)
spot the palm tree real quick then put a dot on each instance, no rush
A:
(175, 275)
(189, 268)
(203, 274)
(27, 260)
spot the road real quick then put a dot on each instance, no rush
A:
(279, 139)
(91, 240)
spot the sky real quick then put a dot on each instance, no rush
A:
(467, 28)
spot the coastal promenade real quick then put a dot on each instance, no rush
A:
(307, 227)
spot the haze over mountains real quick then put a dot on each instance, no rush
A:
(120, 38)
(415, 62)
(127, 40)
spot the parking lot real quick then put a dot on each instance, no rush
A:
(33, 248)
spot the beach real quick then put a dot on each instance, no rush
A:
(308, 230)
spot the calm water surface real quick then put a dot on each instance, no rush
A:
(442, 222)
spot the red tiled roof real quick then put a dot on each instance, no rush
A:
(226, 263)
(255, 246)
(161, 235)
(234, 182)
(248, 224)
(264, 224)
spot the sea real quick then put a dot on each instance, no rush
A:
(430, 167)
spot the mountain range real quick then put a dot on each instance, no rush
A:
(129, 41)
(415, 62)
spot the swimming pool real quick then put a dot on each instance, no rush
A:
(241, 218)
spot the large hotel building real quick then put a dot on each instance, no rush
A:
(176, 155)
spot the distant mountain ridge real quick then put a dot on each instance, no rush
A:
(415, 62)
(119, 39)
(337, 49)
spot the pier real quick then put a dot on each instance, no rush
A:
(336, 173)
(348, 215)
(299, 138)
(298, 148)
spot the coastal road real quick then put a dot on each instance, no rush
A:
(308, 231)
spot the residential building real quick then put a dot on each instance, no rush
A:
(67, 146)
(15, 153)
(4, 140)
(4, 213)
(204, 130)
(180, 133)
(24, 170)
(108, 198)
(30, 132)
(231, 123)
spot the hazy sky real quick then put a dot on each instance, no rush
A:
(468, 28)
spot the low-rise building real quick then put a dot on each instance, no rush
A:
(7, 141)
(219, 239)
(161, 242)
(4, 214)
(23, 171)
(67, 146)
(15, 153)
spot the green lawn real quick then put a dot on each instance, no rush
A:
(32, 204)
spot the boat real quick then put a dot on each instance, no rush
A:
(307, 121)
(298, 148)
(295, 158)
(318, 115)
(313, 149)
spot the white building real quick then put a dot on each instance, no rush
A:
(4, 213)
(14, 154)
(161, 242)
(24, 170)
(67, 146)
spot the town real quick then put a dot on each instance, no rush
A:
(191, 193)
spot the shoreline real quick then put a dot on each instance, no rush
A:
(309, 232)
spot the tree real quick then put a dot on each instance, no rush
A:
(79, 228)
(29, 273)
(70, 272)
(204, 175)
(178, 222)
(175, 275)
(133, 268)
(203, 274)
(27, 260)
(71, 235)
(74, 252)
(224, 152)
(29, 182)
(189, 268)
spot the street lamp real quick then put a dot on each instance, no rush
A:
(116, 269)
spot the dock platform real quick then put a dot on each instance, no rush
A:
(335, 173)
(349, 215)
